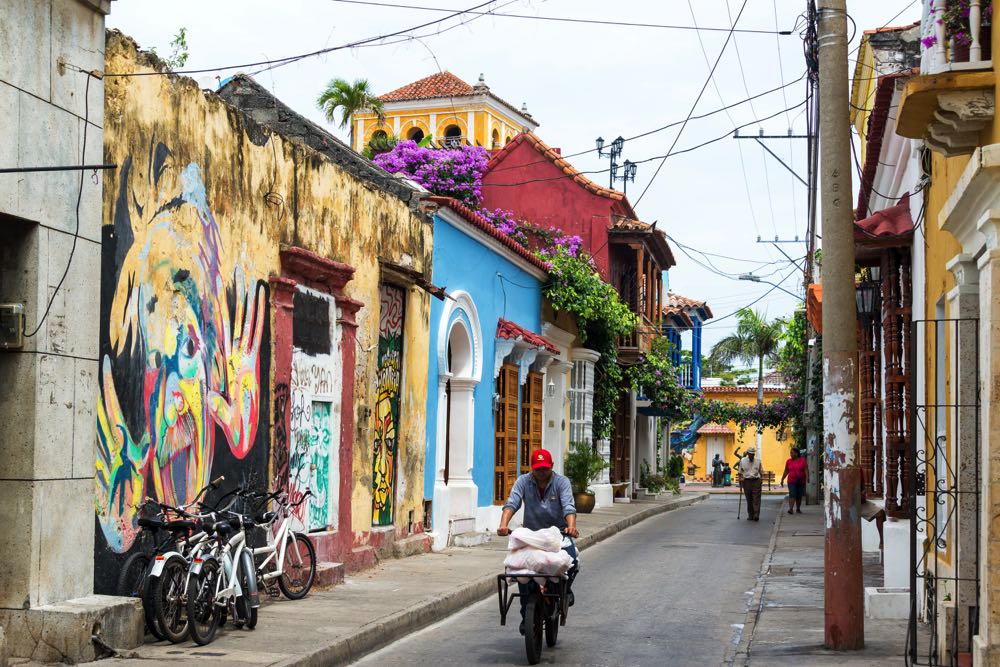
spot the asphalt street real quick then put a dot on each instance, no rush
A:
(672, 590)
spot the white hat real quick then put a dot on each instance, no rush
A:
(751, 450)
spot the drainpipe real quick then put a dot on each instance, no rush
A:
(844, 592)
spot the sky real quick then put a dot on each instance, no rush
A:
(579, 81)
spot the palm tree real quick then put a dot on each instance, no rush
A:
(756, 340)
(350, 98)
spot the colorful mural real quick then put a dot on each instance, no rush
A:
(313, 390)
(181, 338)
(390, 356)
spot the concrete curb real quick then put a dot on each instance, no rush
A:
(396, 626)
(741, 653)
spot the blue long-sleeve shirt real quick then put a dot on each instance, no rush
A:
(542, 512)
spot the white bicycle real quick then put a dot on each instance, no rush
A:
(290, 556)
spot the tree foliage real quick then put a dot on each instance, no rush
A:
(349, 98)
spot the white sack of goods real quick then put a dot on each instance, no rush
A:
(546, 539)
(537, 552)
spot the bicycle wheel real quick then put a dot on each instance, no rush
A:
(202, 612)
(167, 593)
(246, 613)
(551, 622)
(300, 568)
(133, 581)
(534, 610)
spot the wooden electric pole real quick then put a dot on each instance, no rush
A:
(844, 588)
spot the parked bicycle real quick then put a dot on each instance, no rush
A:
(289, 557)
(143, 566)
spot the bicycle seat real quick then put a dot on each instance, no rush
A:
(152, 524)
(265, 517)
(223, 528)
(180, 525)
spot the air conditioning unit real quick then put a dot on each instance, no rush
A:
(11, 326)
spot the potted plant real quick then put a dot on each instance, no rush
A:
(583, 464)
(954, 16)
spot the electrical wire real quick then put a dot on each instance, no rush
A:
(732, 121)
(775, 32)
(716, 320)
(717, 139)
(76, 231)
(302, 56)
(662, 127)
(704, 86)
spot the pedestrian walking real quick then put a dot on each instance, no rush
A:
(797, 472)
(750, 481)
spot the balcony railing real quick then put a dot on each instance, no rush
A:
(685, 374)
(944, 53)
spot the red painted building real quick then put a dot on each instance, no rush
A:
(532, 180)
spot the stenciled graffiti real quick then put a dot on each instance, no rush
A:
(181, 345)
(390, 355)
(312, 390)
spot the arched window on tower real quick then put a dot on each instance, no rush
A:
(495, 140)
(415, 134)
(453, 136)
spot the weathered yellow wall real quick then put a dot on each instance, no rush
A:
(324, 210)
(775, 451)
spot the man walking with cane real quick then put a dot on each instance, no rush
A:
(751, 483)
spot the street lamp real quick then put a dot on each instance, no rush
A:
(600, 146)
(867, 295)
(756, 279)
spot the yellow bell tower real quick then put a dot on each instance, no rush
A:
(448, 109)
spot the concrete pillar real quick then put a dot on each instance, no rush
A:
(986, 645)
(963, 303)
(52, 382)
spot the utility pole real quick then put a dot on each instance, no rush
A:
(844, 592)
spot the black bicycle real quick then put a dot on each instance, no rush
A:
(547, 599)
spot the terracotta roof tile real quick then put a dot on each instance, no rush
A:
(679, 315)
(481, 223)
(553, 156)
(741, 389)
(893, 221)
(715, 429)
(442, 84)
(508, 330)
(678, 301)
(659, 245)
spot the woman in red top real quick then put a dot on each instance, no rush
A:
(797, 472)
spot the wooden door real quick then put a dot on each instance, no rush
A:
(621, 441)
(505, 434)
(531, 418)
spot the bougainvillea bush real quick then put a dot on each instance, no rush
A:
(448, 172)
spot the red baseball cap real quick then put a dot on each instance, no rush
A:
(541, 458)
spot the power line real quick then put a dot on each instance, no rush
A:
(291, 59)
(532, 17)
(716, 320)
(718, 92)
(729, 36)
(717, 139)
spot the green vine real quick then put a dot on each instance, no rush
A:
(601, 317)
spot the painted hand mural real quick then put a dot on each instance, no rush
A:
(182, 361)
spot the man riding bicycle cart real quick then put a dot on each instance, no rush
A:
(545, 598)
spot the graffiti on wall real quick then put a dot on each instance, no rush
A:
(182, 329)
(312, 390)
(387, 387)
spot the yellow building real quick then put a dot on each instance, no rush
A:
(448, 109)
(950, 108)
(726, 439)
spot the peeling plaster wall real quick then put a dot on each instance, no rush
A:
(264, 192)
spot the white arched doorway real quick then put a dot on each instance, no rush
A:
(459, 352)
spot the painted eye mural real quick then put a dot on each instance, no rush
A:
(181, 339)
(390, 356)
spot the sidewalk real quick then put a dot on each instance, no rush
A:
(378, 606)
(784, 623)
(706, 487)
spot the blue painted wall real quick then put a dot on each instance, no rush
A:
(462, 263)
